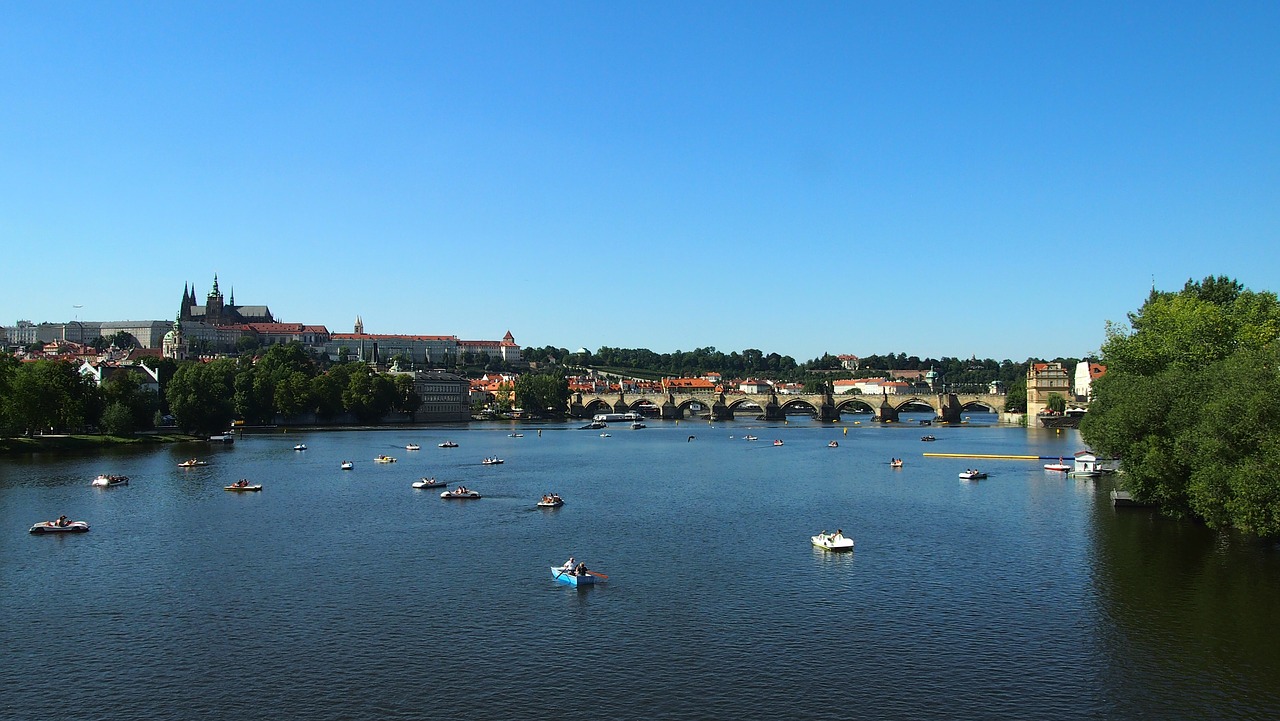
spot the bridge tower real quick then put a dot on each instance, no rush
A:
(827, 409)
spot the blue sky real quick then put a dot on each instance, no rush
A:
(990, 179)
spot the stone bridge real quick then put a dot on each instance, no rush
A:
(947, 407)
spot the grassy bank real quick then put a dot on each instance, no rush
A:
(71, 443)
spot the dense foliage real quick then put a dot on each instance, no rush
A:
(1191, 401)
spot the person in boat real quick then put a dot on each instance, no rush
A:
(568, 565)
(838, 535)
(580, 570)
(62, 522)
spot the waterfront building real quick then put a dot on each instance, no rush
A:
(446, 397)
(1044, 379)
(1082, 384)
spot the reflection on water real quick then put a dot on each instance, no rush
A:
(348, 594)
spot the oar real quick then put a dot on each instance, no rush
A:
(597, 573)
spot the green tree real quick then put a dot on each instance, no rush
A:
(200, 396)
(117, 419)
(1015, 397)
(1190, 402)
(542, 393)
(1056, 402)
(407, 399)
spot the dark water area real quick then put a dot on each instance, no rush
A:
(351, 595)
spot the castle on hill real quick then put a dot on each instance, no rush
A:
(219, 313)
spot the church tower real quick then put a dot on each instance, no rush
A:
(213, 304)
(359, 326)
(188, 300)
(174, 344)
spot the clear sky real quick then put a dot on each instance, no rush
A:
(990, 179)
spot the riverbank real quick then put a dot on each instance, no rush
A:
(75, 443)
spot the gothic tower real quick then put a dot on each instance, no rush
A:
(213, 304)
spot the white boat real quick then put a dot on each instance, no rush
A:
(777, 442)
(347, 465)
(492, 462)
(832, 541)
(1059, 466)
(447, 444)
(384, 459)
(192, 463)
(972, 475)
(833, 444)
(750, 438)
(412, 447)
(515, 435)
(300, 447)
(460, 492)
(430, 483)
(637, 426)
(60, 526)
(105, 481)
(604, 435)
(551, 500)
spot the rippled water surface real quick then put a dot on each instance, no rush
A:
(350, 595)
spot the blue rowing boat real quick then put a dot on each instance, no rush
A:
(568, 577)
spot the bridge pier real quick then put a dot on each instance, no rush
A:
(773, 411)
(576, 409)
(949, 408)
(887, 413)
(720, 411)
(670, 411)
(621, 405)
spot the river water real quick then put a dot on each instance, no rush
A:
(350, 595)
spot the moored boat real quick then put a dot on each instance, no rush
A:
(430, 483)
(105, 481)
(62, 525)
(461, 492)
(1059, 466)
(832, 541)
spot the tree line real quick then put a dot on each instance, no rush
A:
(1190, 404)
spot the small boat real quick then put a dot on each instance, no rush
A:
(300, 447)
(515, 435)
(895, 463)
(551, 500)
(593, 426)
(430, 483)
(105, 481)
(832, 541)
(384, 459)
(637, 426)
(242, 486)
(491, 462)
(928, 438)
(586, 578)
(972, 475)
(192, 463)
(447, 444)
(60, 526)
(347, 465)
(413, 447)
(777, 442)
(751, 438)
(228, 437)
(1059, 466)
(833, 444)
(460, 492)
